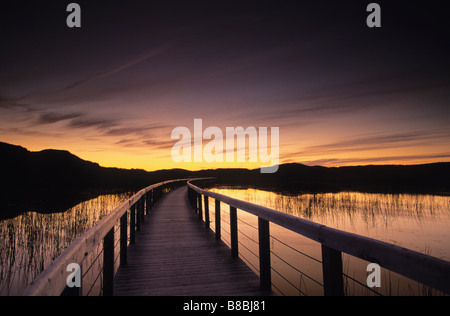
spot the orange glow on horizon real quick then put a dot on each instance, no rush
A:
(152, 160)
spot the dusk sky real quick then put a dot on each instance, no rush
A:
(340, 92)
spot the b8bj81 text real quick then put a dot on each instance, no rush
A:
(246, 306)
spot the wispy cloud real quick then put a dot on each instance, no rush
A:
(54, 117)
(41, 101)
(152, 53)
(376, 142)
(15, 104)
(327, 101)
(136, 130)
(375, 160)
(91, 122)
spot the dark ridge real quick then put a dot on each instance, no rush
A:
(55, 180)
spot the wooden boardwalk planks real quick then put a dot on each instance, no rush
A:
(175, 255)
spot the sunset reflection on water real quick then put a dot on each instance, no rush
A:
(416, 222)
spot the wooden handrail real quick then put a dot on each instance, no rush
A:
(431, 271)
(52, 281)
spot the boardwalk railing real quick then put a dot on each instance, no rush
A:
(422, 268)
(101, 250)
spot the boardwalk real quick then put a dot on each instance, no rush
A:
(176, 255)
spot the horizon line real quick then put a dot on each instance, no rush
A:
(230, 168)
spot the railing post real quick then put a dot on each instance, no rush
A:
(218, 219)
(147, 203)
(196, 202)
(142, 202)
(152, 198)
(206, 212)
(160, 193)
(108, 263)
(264, 255)
(234, 232)
(332, 272)
(123, 238)
(138, 215)
(133, 224)
(200, 208)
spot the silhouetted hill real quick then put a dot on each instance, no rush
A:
(54, 180)
(60, 170)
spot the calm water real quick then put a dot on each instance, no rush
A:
(417, 222)
(30, 242)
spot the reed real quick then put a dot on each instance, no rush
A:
(31, 241)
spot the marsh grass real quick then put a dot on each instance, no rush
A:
(350, 208)
(31, 241)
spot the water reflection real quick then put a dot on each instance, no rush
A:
(417, 222)
(31, 241)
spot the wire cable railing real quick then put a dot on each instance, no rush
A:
(427, 270)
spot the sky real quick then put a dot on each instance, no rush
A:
(341, 93)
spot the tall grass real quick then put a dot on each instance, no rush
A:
(31, 241)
